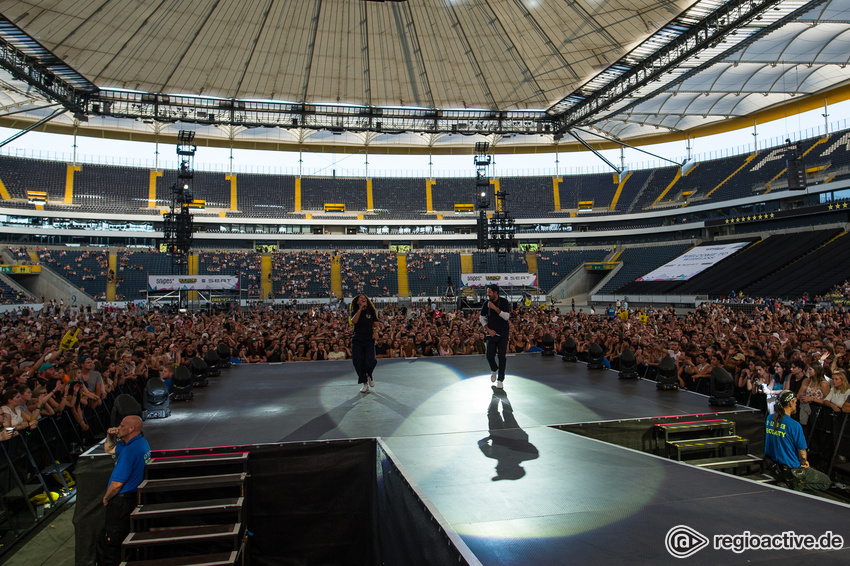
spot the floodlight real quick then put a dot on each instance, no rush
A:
(628, 365)
(569, 351)
(667, 374)
(721, 388)
(595, 356)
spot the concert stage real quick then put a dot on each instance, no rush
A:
(463, 473)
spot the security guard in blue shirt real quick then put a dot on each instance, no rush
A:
(121, 498)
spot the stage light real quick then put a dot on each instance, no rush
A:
(628, 365)
(223, 351)
(667, 374)
(181, 384)
(595, 356)
(124, 406)
(721, 389)
(213, 360)
(547, 345)
(156, 400)
(569, 351)
(200, 372)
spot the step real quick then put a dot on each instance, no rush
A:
(698, 444)
(198, 461)
(725, 462)
(696, 425)
(195, 482)
(174, 535)
(159, 510)
(220, 559)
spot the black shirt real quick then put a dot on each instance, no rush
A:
(363, 326)
(494, 321)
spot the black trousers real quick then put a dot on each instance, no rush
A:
(497, 344)
(363, 357)
(116, 527)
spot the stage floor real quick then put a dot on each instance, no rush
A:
(255, 404)
(514, 489)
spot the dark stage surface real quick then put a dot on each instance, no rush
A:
(515, 490)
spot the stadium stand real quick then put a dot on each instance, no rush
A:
(316, 191)
(637, 262)
(754, 263)
(554, 265)
(813, 273)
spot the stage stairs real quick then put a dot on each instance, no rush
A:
(711, 444)
(191, 511)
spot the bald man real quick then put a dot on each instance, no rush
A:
(133, 453)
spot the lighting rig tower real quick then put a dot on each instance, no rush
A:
(482, 199)
(178, 222)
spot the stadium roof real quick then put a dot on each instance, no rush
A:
(417, 75)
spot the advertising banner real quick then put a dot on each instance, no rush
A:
(192, 282)
(500, 279)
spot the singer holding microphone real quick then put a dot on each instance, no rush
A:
(364, 318)
(495, 314)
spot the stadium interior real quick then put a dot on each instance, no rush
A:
(319, 475)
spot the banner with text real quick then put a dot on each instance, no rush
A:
(192, 282)
(501, 279)
(692, 262)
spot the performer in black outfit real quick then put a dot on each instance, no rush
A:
(364, 317)
(495, 314)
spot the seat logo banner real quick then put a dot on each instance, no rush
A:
(192, 282)
(500, 279)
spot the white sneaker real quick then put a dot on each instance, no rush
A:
(493, 376)
(365, 388)
(500, 385)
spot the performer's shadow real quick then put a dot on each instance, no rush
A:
(507, 444)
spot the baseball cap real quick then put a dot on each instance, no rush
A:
(44, 367)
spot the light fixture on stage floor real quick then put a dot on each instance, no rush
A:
(595, 356)
(124, 406)
(667, 375)
(569, 351)
(181, 384)
(547, 344)
(200, 372)
(156, 400)
(628, 365)
(213, 361)
(223, 351)
(721, 389)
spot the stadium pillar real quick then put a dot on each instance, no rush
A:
(266, 277)
(531, 261)
(429, 196)
(556, 191)
(233, 191)
(192, 269)
(495, 183)
(370, 204)
(336, 278)
(403, 283)
(152, 188)
(466, 263)
(69, 183)
(112, 278)
(621, 183)
(297, 194)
